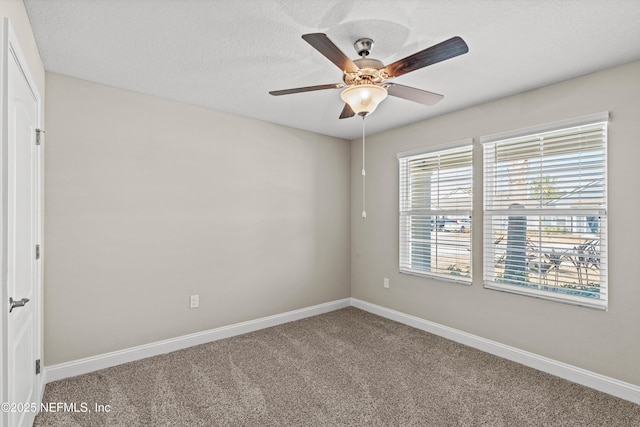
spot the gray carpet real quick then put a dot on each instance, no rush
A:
(347, 367)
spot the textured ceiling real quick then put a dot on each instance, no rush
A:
(228, 54)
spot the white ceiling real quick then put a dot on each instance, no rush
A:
(228, 54)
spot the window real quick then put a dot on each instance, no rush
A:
(435, 212)
(545, 211)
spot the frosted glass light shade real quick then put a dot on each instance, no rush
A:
(363, 99)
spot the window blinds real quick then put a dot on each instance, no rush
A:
(545, 213)
(435, 213)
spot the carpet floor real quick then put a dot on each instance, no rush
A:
(343, 368)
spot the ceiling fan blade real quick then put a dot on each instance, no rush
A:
(445, 50)
(347, 112)
(306, 89)
(413, 94)
(322, 44)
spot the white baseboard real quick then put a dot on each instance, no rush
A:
(621, 389)
(102, 361)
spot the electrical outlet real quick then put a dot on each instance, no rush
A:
(194, 302)
(385, 283)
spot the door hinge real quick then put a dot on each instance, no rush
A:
(37, 366)
(39, 132)
(37, 251)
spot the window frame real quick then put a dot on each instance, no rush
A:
(404, 193)
(490, 212)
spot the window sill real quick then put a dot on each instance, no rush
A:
(461, 280)
(600, 304)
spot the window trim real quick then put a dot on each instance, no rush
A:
(602, 117)
(435, 148)
(546, 127)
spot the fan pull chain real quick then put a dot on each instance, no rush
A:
(364, 174)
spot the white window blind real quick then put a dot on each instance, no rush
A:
(435, 213)
(545, 213)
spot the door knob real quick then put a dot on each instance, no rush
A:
(15, 304)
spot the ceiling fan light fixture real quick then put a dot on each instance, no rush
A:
(364, 98)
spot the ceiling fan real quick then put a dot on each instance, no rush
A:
(366, 80)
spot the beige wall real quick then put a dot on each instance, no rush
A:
(149, 201)
(603, 342)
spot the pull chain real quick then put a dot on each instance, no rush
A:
(364, 212)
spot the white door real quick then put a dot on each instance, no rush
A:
(22, 201)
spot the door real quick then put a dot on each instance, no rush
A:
(22, 200)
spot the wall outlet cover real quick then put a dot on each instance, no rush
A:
(194, 301)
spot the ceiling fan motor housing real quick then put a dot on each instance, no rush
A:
(370, 72)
